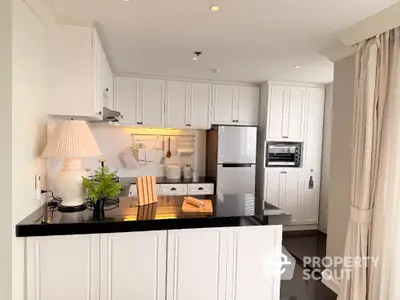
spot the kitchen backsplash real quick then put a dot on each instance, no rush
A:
(114, 140)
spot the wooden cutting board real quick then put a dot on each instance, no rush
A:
(206, 210)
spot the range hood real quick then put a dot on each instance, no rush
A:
(110, 115)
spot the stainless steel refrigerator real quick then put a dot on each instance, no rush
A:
(231, 158)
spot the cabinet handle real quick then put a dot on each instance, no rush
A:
(100, 113)
(106, 89)
(283, 172)
(200, 189)
(173, 189)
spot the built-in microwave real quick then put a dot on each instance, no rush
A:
(284, 154)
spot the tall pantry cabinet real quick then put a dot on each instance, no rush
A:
(292, 113)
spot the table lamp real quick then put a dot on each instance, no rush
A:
(71, 140)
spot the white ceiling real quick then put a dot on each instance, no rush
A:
(249, 40)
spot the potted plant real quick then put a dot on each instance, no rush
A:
(100, 188)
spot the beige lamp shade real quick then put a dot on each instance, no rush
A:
(71, 139)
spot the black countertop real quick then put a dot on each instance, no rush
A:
(229, 210)
(165, 180)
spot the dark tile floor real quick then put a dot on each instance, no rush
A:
(300, 244)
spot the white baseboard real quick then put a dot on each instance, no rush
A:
(332, 283)
(300, 227)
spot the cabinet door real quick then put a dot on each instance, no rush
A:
(275, 113)
(133, 265)
(126, 99)
(197, 261)
(151, 104)
(312, 153)
(294, 114)
(200, 101)
(274, 180)
(292, 200)
(53, 261)
(248, 105)
(254, 263)
(223, 102)
(177, 104)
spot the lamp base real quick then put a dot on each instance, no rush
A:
(69, 183)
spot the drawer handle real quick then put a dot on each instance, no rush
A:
(173, 189)
(200, 189)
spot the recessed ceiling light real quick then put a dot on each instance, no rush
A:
(195, 57)
(217, 70)
(296, 66)
(127, 0)
(214, 8)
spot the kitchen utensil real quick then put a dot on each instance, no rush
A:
(163, 153)
(194, 201)
(169, 154)
(191, 209)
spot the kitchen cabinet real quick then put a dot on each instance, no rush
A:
(284, 189)
(197, 260)
(285, 113)
(312, 154)
(53, 260)
(248, 105)
(235, 105)
(179, 189)
(79, 73)
(187, 105)
(237, 263)
(232, 263)
(133, 265)
(140, 101)
(251, 249)
(126, 99)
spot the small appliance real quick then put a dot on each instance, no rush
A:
(284, 154)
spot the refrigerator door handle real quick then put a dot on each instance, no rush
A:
(237, 165)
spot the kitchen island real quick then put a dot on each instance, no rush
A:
(155, 252)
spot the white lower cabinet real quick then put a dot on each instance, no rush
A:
(63, 267)
(231, 263)
(196, 262)
(133, 265)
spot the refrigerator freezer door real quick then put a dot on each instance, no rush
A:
(236, 179)
(237, 144)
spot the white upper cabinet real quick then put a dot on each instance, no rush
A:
(223, 105)
(200, 102)
(133, 265)
(140, 101)
(248, 105)
(126, 99)
(285, 116)
(151, 102)
(275, 113)
(235, 105)
(187, 105)
(77, 69)
(176, 104)
(294, 114)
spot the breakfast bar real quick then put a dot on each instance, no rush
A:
(156, 251)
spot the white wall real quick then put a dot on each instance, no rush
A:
(5, 150)
(326, 159)
(114, 140)
(341, 148)
(29, 104)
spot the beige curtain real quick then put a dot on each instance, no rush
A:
(373, 101)
(384, 280)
